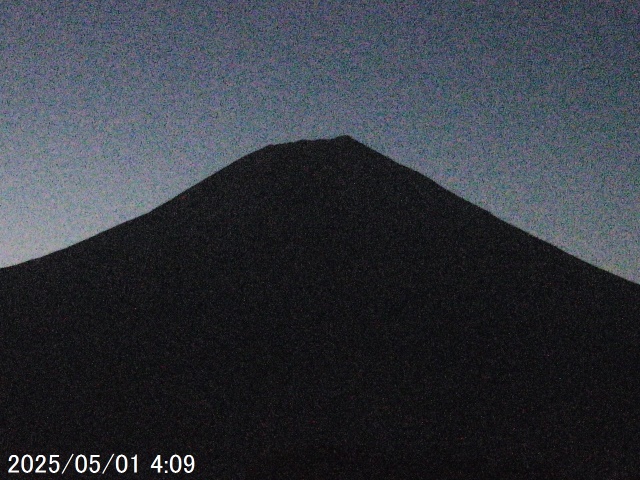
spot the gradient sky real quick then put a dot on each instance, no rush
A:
(528, 109)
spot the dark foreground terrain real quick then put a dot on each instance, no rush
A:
(316, 310)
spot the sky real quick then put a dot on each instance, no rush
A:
(528, 109)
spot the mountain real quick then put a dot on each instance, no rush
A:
(316, 310)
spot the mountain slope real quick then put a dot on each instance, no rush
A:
(315, 307)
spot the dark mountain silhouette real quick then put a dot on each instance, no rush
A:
(315, 310)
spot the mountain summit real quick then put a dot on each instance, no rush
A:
(316, 310)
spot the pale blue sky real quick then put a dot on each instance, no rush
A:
(528, 109)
